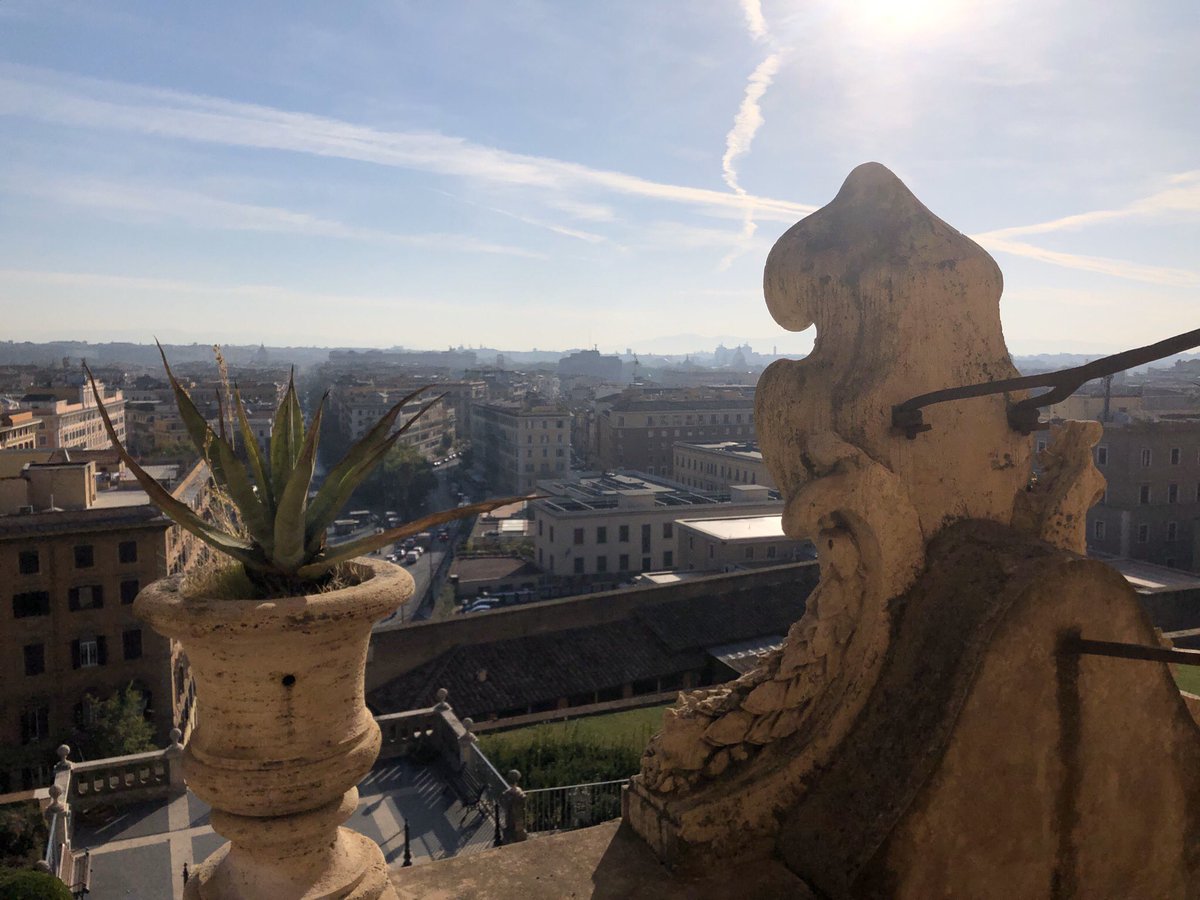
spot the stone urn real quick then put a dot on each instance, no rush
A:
(283, 734)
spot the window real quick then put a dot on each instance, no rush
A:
(1172, 493)
(89, 654)
(1041, 446)
(1147, 458)
(749, 553)
(132, 641)
(1102, 456)
(712, 550)
(35, 659)
(129, 591)
(1144, 494)
(86, 596)
(1143, 534)
(646, 542)
(127, 551)
(601, 563)
(28, 562)
(668, 559)
(578, 536)
(1176, 456)
(35, 724)
(668, 529)
(623, 562)
(84, 557)
(601, 534)
(771, 552)
(552, 534)
(1172, 531)
(645, 563)
(579, 565)
(540, 522)
(623, 534)
(31, 603)
(1098, 529)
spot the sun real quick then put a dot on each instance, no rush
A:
(899, 20)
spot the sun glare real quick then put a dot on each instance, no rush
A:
(897, 20)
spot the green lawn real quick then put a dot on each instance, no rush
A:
(1188, 678)
(594, 748)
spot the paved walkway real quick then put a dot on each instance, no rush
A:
(140, 852)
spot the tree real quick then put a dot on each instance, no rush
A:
(23, 834)
(27, 884)
(119, 726)
(401, 483)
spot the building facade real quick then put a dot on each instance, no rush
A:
(519, 444)
(639, 429)
(70, 417)
(18, 430)
(611, 527)
(718, 466)
(737, 542)
(70, 575)
(1150, 509)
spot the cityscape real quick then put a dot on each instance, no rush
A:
(657, 451)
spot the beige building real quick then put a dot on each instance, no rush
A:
(726, 544)
(70, 572)
(639, 429)
(518, 445)
(610, 527)
(717, 466)
(70, 417)
(18, 430)
(356, 409)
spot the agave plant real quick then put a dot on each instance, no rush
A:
(284, 546)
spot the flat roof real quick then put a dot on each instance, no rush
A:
(1146, 576)
(742, 656)
(738, 528)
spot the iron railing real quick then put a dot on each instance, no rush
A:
(573, 805)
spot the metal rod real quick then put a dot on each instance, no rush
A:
(1022, 416)
(1120, 650)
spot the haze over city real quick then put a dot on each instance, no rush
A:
(565, 175)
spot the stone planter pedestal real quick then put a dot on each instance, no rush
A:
(284, 734)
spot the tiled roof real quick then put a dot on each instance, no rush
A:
(656, 641)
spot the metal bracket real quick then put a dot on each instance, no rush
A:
(1024, 416)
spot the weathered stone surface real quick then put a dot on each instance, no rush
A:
(767, 697)
(683, 735)
(729, 729)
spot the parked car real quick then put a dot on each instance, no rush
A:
(443, 535)
(411, 557)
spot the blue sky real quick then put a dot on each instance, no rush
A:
(560, 174)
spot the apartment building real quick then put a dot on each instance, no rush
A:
(70, 416)
(519, 444)
(717, 466)
(737, 542)
(639, 428)
(613, 526)
(355, 409)
(18, 429)
(1150, 509)
(72, 559)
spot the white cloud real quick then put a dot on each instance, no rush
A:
(1182, 198)
(1116, 268)
(755, 23)
(160, 204)
(89, 103)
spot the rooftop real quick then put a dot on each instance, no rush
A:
(738, 528)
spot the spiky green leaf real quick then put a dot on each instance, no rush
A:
(178, 511)
(282, 457)
(257, 464)
(354, 467)
(289, 549)
(348, 551)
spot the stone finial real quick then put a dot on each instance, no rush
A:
(63, 752)
(469, 724)
(441, 694)
(175, 748)
(42, 866)
(903, 304)
(514, 777)
(57, 804)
